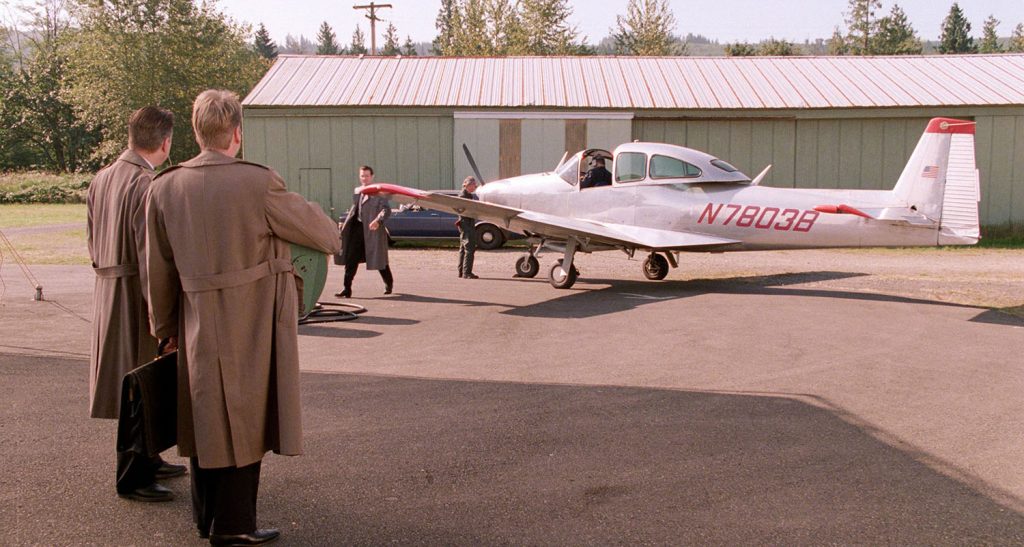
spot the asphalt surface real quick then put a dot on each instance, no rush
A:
(803, 399)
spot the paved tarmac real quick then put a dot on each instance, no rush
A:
(777, 398)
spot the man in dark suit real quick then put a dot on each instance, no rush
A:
(597, 176)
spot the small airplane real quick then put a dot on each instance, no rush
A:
(666, 199)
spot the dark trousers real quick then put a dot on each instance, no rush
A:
(135, 470)
(467, 248)
(350, 274)
(224, 499)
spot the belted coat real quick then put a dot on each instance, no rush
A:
(220, 277)
(120, 323)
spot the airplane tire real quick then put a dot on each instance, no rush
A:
(489, 237)
(527, 266)
(655, 267)
(561, 279)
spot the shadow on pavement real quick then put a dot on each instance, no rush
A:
(1009, 317)
(627, 295)
(398, 460)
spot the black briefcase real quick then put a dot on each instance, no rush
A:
(148, 422)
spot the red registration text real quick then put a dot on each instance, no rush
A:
(762, 218)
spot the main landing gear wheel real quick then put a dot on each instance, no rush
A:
(489, 237)
(561, 279)
(655, 267)
(527, 266)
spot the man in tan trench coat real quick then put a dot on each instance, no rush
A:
(222, 289)
(121, 339)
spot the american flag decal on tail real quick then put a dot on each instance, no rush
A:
(930, 171)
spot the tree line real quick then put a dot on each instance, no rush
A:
(71, 73)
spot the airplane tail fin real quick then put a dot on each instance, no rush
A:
(941, 181)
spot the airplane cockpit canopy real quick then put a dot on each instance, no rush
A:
(667, 163)
(574, 168)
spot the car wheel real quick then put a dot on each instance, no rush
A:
(527, 266)
(655, 267)
(561, 279)
(489, 237)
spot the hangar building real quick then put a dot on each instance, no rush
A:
(819, 121)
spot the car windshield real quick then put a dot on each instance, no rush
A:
(570, 170)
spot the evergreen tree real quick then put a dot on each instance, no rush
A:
(506, 27)
(989, 38)
(447, 23)
(956, 33)
(298, 45)
(546, 27)
(647, 29)
(264, 46)
(473, 37)
(1017, 39)
(861, 25)
(896, 36)
(326, 40)
(358, 45)
(740, 49)
(391, 41)
(409, 48)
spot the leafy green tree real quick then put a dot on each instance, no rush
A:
(40, 126)
(896, 36)
(508, 37)
(989, 38)
(740, 49)
(265, 47)
(326, 40)
(956, 33)
(1016, 44)
(473, 37)
(132, 53)
(837, 44)
(776, 48)
(391, 47)
(646, 29)
(408, 48)
(546, 27)
(358, 45)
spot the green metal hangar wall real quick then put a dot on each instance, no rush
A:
(825, 122)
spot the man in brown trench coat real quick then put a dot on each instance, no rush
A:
(121, 339)
(222, 289)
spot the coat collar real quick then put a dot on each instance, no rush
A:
(209, 157)
(134, 158)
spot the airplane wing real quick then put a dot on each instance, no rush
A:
(556, 227)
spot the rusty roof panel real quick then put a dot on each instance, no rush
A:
(597, 82)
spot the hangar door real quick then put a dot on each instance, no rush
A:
(508, 144)
(867, 153)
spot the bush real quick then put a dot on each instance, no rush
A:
(43, 188)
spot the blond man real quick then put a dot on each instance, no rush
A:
(222, 289)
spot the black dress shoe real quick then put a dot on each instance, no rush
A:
(387, 289)
(153, 492)
(347, 293)
(259, 537)
(170, 470)
(471, 276)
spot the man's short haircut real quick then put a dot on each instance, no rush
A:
(215, 115)
(469, 180)
(366, 168)
(599, 159)
(148, 127)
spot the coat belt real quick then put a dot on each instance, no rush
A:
(121, 270)
(236, 278)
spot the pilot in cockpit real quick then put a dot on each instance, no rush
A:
(597, 175)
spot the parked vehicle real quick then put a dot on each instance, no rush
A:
(415, 222)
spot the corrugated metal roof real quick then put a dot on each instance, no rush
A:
(643, 82)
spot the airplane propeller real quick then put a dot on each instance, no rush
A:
(476, 170)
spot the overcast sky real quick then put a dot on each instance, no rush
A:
(724, 20)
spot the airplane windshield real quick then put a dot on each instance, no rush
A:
(569, 171)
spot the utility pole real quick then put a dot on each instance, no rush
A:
(372, 16)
